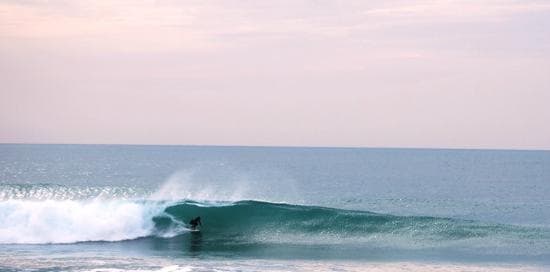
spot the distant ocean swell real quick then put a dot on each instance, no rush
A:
(26, 218)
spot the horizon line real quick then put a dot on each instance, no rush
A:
(283, 146)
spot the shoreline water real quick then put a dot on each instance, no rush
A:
(135, 264)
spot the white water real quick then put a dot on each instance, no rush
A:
(69, 221)
(50, 213)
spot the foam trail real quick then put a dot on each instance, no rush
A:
(75, 221)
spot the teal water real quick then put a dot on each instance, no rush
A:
(86, 207)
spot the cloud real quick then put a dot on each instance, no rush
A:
(73, 17)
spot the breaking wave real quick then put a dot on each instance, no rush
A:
(25, 219)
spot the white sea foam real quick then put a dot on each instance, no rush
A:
(262, 265)
(171, 268)
(49, 213)
(116, 263)
(68, 221)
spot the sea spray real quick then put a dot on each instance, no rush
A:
(49, 191)
(189, 184)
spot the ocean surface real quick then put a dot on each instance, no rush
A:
(125, 208)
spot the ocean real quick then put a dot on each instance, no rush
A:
(126, 208)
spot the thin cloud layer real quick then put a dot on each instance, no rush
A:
(344, 73)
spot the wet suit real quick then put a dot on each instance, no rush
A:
(195, 222)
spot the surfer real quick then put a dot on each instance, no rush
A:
(195, 222)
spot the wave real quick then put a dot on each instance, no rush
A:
(41, 214)
(241, 222)
(264, 222)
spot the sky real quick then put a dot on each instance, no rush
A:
(435, 74)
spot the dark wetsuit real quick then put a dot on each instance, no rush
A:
(195, 222)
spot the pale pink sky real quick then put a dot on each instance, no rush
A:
(472, 74)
